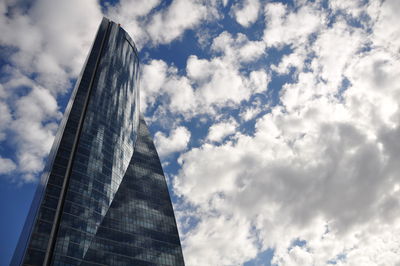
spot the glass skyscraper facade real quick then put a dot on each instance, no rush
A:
(103, 197)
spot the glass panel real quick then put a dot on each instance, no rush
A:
(116, 210)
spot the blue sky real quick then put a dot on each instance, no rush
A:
(277, 122)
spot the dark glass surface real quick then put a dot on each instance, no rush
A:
(32, 245)
(105, 145)
(139, 227)
(104, 199)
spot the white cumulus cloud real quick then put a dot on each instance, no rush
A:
(219, 131)
(6, 166)
(317, 180)
(177, 141)
(246, 13)
(287, 27)
(181, 15)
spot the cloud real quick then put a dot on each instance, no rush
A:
(298, 173)
(222, 86)
(177, 140)
(249, 112)
(157, 79)
(238, 49)
(209, 84)
(295, 60)
(246, 13)
(229, 237)
(352, 8)
(5, 119)
(34, 127)
(152, 79)
(317, 179)
(384, 32)
(219, 131)
(182, 96)
(156, 23)
(6, 166)
(57, 33)
(333, 49)
(288, 27)
(218, 80)
(258, 81)
(170, 23)
(29, 123)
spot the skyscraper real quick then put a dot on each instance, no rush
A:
(103, 198)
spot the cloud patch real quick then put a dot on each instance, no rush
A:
(219, 131)
(177, 140)
(247, 12)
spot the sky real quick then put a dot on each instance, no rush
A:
(277, 123)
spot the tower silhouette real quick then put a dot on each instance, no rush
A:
(103, 198)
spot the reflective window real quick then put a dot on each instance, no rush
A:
(116, 209)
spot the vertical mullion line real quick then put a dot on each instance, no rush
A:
(60, 206)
